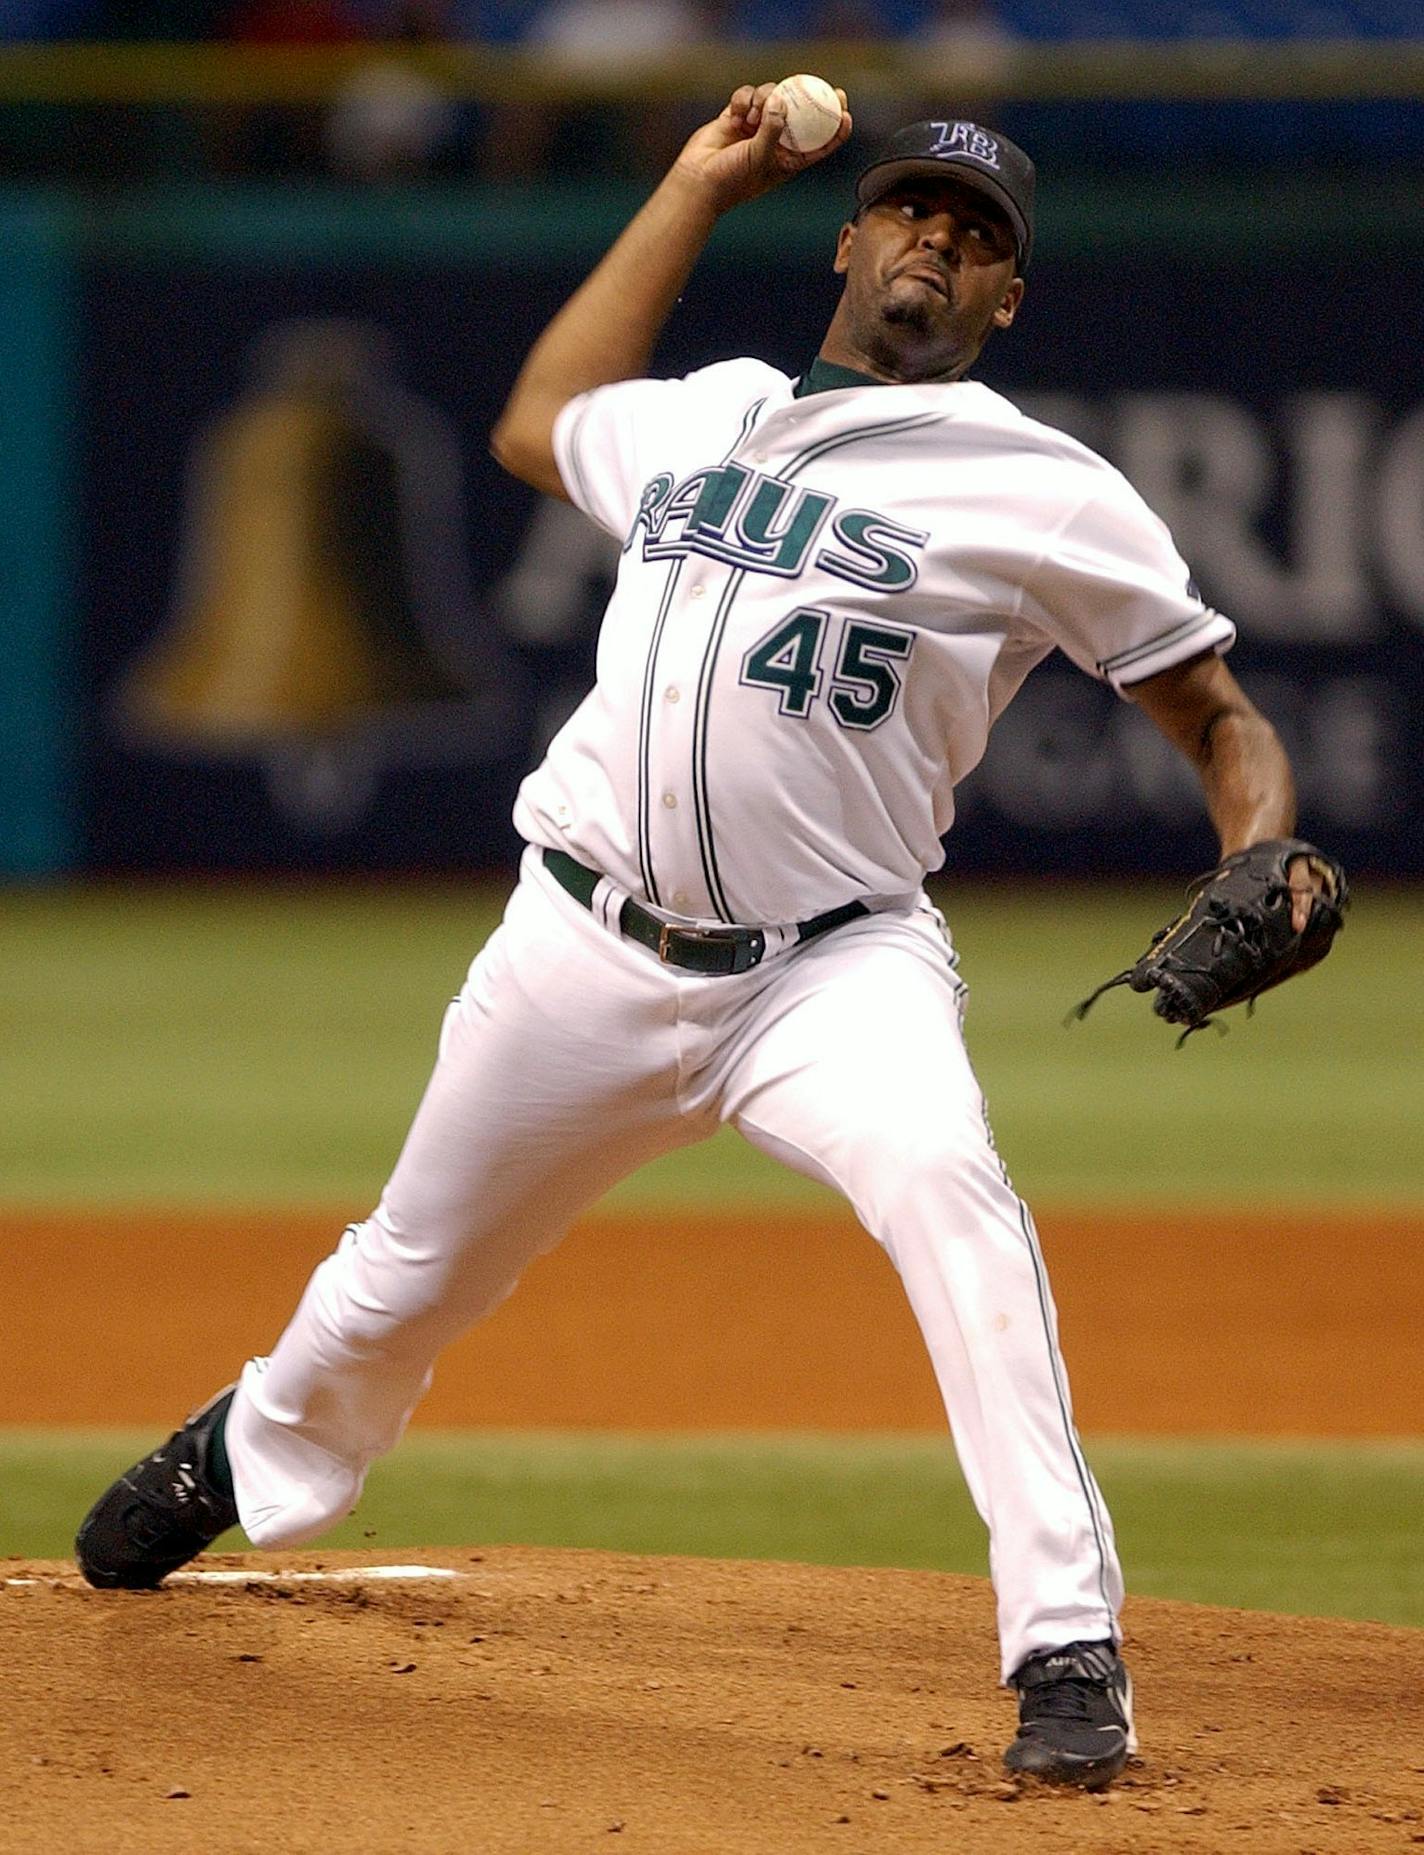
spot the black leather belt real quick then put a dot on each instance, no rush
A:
(713, 951)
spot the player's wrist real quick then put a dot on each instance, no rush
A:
(694, 195)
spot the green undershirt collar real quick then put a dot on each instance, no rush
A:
(825, 377)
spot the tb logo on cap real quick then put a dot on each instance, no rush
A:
(965, 138)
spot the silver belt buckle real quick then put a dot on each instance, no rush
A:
(704, 936)
(746, 952)
(669, 928)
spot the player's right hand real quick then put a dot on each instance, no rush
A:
(739, 156)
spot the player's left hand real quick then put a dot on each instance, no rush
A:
(738, 156)
(1307, 881)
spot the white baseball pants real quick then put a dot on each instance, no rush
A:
(571, 1057)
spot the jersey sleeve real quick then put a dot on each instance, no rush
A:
(600, 439)
(1114, 594)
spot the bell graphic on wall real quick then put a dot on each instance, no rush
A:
(312, 560)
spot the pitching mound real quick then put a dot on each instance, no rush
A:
(549, 1701)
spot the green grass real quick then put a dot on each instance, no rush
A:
(232, 1045)
(1317, 1529)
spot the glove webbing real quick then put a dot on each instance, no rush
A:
(1228, 922)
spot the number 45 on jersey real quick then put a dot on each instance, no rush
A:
(865, 684)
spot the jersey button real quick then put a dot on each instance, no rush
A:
(697, 592)
(672, 693)
(679, 898)
(670, 800)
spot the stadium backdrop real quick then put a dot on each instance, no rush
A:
(1222, 349)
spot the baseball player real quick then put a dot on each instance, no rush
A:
(830, 587)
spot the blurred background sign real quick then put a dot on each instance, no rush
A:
(272, 268)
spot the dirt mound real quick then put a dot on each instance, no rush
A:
(547, 1701)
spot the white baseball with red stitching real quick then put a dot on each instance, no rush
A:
(813, 112)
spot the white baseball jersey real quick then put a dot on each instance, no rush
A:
(823, 605)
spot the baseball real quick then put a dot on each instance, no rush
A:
(813, 112)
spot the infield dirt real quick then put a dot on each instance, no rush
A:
(546, 1702)
(552, 1702)
(1262, 1322)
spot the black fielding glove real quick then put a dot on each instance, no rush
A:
(1235, 939)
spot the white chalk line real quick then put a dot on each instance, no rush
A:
(352, 1574)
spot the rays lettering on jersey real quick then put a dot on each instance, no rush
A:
(762, 524)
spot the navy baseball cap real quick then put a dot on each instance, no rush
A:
(979, 157)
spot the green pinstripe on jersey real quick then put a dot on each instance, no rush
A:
(701, 799)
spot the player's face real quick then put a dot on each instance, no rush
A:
(929, 272)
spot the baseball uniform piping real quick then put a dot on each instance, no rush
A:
(1076, 1449)
(645, 845)
(702, 806)
(645, 841)
(1055, 1362)
(862, 431)
(700, 728)
(572, 447)
(1085, 1480)
(1121, 660)
(749, 419)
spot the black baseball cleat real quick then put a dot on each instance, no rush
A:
(165, 1510)
(1075, 1716)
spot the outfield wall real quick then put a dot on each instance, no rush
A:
(180, 489)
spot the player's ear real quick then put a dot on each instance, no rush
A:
(843, 245)
(1009, 305)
